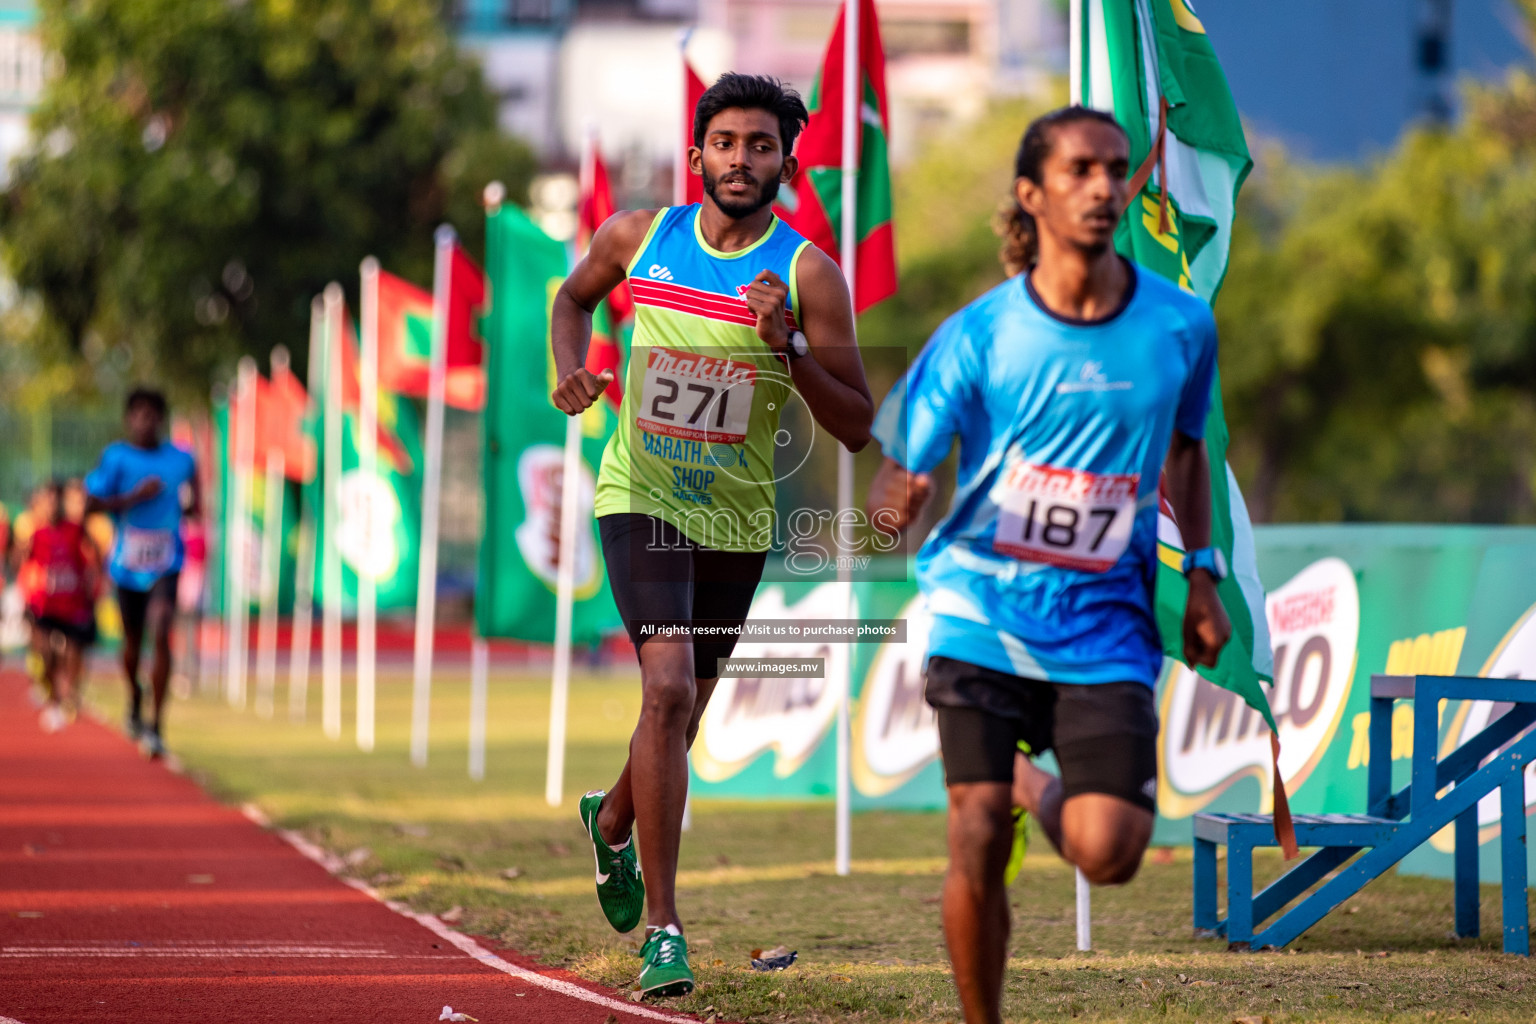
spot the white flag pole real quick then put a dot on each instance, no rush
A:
(1084, 922)
(304, 582)
(680, 169)
(211, 663)
(565, 589)
(368, 463)
(849, 244)
(330, 638)
(1075, 57)
(231, 539)
(1075, 51)
(271, 561)
(239, 610)
(479, 668)
(479, 652)
(426, 585)
(565, 572)
(271, 583)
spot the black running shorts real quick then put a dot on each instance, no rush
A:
(1104, 734)
(135, 604)
(664, 583)
(82, 633)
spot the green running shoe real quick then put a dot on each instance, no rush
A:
(1020, 834)
(1020, 846)
(620, 889)
(666, 972)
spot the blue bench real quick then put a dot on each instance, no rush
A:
(1395, 823)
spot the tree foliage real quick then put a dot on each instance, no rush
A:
(201, 168)
(1379, 328)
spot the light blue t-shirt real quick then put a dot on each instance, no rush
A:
(1045, 564)
(148, 544)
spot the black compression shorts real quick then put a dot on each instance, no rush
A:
(82, 633)
(665, 584)
(135, 604)
(1104, 734)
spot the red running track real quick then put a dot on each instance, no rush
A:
(127, 895)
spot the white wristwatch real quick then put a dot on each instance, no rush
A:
(798, 345)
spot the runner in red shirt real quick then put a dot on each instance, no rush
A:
(60, 578)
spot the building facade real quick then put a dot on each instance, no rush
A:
(21, 77)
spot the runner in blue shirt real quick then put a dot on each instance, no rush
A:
(141, 482)
(1070, 387)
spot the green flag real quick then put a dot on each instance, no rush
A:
(524, 450)
(1151, 64)
(378, 519)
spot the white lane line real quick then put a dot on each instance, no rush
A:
(335, 866)
(9, 1020)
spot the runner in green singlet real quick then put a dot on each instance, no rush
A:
(734, 311)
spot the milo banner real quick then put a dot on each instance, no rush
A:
(1344, 602)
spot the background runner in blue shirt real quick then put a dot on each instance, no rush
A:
(1069, 388)
(141, 481)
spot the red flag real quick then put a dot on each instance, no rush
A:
(466, 295)
(693, 91)
(279, 420)
(287, 405)
(606, 350)
(812, 202)
(405, 339)
(391, 449)
(594, 207)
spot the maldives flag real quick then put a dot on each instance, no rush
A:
(812, 203)
(393, 452)
(607, 349)
(405, 336)
(280, 408)
(692, 190)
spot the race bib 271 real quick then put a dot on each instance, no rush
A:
(697, 397)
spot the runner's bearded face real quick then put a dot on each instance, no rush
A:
(743, 161)
(1082, 189)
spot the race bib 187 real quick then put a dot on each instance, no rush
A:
(1068, 518)
(697, 397)
(147, 550)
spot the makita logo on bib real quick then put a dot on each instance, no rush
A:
(659, 273)
(1071, 484)
(701, 367)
